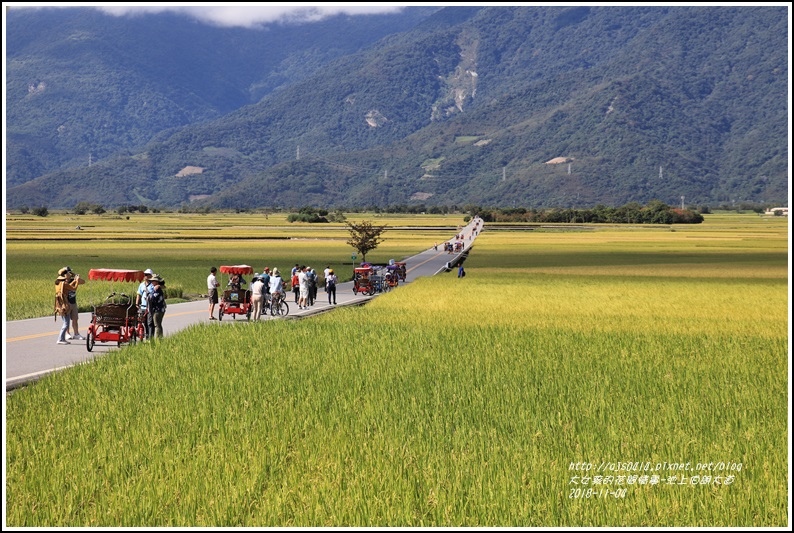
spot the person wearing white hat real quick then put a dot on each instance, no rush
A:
(257, 296)
(142, 301)
(276, 288)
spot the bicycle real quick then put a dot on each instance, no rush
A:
(277, 305)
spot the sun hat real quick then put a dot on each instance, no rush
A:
(331, 271)
(275, 271)
(156, 278)
(64, 271)
(148, 272)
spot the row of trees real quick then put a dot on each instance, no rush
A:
(655, 212)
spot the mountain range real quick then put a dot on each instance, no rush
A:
(496, 106)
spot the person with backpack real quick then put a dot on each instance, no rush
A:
(156, 305)
(330, 286)
(312, 276)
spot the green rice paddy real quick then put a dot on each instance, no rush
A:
(479, 401)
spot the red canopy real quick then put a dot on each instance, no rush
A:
(237, 269)
(114, 274)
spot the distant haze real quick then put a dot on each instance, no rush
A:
(252, 15)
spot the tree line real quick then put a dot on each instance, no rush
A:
(654, 212)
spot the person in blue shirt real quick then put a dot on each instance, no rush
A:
(142, 301)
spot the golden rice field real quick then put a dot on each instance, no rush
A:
(601, 377)
(182, 248)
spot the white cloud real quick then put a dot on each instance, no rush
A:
(253, 15)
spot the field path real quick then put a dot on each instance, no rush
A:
(30, 349)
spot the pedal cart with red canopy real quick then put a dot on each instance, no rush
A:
(116, 319)
(362, 279)
(235, 300)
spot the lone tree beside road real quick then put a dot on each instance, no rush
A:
(364, 237)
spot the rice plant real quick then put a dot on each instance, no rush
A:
(492, 400)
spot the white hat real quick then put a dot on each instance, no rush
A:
(148, 272)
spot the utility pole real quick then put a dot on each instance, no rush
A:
(504, 173)
(660, 173)
(569, 169)
(89, 159)
(682, 201)
(298, 154)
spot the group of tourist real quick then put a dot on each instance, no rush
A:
(149, 299)
(304, 285)
(303, 282)
(266, 288)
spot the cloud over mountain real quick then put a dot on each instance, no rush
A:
(253, 15)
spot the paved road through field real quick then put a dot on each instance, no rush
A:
(30, 349)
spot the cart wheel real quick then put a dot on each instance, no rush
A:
(89, 340)
(248, 315)
(371, 290)
(133, 336)
(220, 313)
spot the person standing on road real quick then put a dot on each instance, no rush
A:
(266, 289)
(142, 301)
(156, 305)
(71, 296)
(212, 291)
(303, 283)
(312, 275)
(63, 284)
(330, 286)
(276, 289)
(257, 296)
(295, 285)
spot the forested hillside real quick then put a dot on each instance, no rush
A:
(84, 84)
(501, 106)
